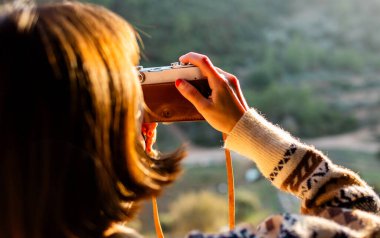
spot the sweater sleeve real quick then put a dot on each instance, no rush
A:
(298, 168)
(344, 223)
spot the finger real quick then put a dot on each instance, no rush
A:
(225, 73)
(149, 126)
(204, 64)
(150, 139)
(232, 79)
(234, 82)
(148, 145)
(149, 132)
(192, 94)
(150, 142)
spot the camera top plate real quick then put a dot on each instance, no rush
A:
(167, 74)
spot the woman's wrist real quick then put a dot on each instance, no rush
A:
(235, 119)
(259, 140)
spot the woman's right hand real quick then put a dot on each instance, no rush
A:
(226, 105)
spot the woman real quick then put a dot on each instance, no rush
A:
(72, 158)
(335, 202)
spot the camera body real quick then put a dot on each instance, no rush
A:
(163, 101)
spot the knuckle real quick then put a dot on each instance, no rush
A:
(224, 81)
(205, 59)
(234, 81)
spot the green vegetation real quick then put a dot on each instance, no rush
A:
(310, 66)
(205, 211)
(273, 47)
(286, 54)
(300, 113)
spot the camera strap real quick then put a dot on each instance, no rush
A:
(231, 196)
(156, 218)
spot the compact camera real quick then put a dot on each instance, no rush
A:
(163, 101)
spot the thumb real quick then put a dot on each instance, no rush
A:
(192, 94)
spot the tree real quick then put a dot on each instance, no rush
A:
(204, 211)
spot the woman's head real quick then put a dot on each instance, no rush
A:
(70, 118)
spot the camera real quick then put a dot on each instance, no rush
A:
(163, 102)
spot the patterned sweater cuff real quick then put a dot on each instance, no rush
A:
(264, 143)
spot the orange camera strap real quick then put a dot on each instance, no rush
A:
(231, 187)
(157, 224)
(231, 197)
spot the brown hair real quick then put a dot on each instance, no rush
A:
(71, 163)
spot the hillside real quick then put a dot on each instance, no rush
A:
(311, 67)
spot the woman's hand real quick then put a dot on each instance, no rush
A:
(226, 105)
(149, 132)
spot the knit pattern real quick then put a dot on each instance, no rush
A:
(288, 155)
(336, 202)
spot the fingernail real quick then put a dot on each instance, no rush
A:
(178, 82)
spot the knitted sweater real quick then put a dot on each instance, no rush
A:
(336, 202)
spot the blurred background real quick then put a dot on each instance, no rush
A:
(310, 66)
